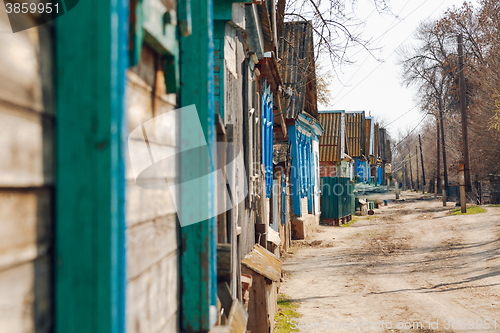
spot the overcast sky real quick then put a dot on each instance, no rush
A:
(375, 86)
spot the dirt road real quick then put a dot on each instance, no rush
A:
(411, 268)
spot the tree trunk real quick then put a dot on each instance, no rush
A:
(445, 169)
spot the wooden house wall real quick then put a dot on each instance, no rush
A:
(241, 88)
(26, 178)
(152, 241)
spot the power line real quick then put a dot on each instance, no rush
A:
(380, 37)
(401, 115)
(407, 135)
(392, 27)
(381, 62)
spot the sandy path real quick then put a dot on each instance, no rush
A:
(413, 263)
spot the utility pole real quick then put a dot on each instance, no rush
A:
(464, 170)
(438, 176)
(443, 147)
(411, 173)
(404, 175)
(422, 160)
(463, 111)
(416, 162)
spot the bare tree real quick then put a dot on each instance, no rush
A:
(333, 22)
(431, 67)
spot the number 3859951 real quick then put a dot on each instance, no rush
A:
(24, 8)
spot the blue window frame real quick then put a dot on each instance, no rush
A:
(267, 136)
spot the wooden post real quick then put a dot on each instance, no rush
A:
(411, 173)
(198, 252)
(438, 158)
(463, 199)
(404, 174)
(89, 260)
(443, 147)
(422, 161)
(416, 162)
(463, 111)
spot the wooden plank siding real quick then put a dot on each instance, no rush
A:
(152, 246)
(26, 178)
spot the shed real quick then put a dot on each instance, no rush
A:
(265, 270)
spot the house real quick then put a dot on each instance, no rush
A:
(336, 169)
(356, 144)
(297, 68)
(98, 100)
(248, 113)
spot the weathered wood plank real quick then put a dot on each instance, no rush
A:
(238, 317)
(26, 63)
(258, 307)
(139, 154)
(25, 304)
(25, 228)
(152, 298)
(26, 147)
(152, 235)
(150, 242)
(140, 110)
(145, 205)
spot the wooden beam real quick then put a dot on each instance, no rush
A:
(198, 252)
(89, 235)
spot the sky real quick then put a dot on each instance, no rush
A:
(375, 86)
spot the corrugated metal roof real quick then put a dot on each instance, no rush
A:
(329, 142)
(265, 22)
(263, 262)
(355, 132)
(297, 59)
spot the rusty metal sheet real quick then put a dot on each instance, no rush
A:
(329, 142)
(263, 262)
(355, 132)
